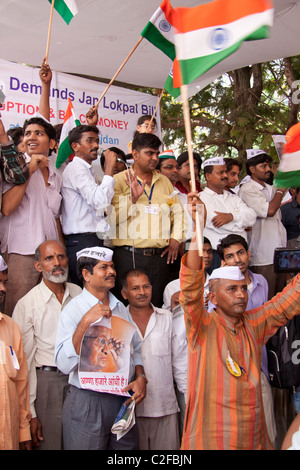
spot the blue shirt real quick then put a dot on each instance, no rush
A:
(66, 358)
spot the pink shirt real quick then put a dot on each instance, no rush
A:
(34, 220)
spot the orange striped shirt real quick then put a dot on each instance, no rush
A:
(225, 412)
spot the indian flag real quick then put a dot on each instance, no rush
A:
(169, 85)
(207, 34)
(65, 150)
(159, 30)
(66, 8)
(288, 172)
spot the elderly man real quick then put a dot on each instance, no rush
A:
(226, 212)
(149, 218)
(224, 404)
(84, 201)
(88, 415)
(37, 315)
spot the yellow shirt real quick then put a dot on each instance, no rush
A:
(156, 217)
(14, 390)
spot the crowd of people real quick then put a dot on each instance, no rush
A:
(122, 239)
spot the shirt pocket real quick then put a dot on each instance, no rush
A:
(6, 360)
(159, 345)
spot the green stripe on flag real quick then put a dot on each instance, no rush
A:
(151, 33)
(63, 9)
(175, 92)
(287, 179)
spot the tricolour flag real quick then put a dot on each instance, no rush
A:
(159, 30)
(65, 150)
(288, 171)
(66, 8)
(169, 85)
(208, 33)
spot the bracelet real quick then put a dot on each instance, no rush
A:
(279, 191)
(142, 375)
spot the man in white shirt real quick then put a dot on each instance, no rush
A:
(157, 415)
(84, 201)
(37, 315)
(268, 231)
(226, 212)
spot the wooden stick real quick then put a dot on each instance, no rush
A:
(49, 31)
(188, 134)
(159, 100)
(118, 71)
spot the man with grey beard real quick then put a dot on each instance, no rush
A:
(37, 315)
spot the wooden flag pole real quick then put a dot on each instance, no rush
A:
(49, 31)
(118, 71)
(188, 133)
(159, 100)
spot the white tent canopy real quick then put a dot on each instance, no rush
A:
(102, 34)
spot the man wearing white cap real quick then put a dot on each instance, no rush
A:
(268, 231)
(224, 403)
(3, 282)
(226, 212)
(88, 415)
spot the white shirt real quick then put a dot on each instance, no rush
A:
(267, 233)
(157, 352)
(84, 201)
(37, 315)
(243, 216)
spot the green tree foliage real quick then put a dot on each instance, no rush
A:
(240, 110)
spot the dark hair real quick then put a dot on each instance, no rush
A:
(262, 158)
(140, 122)
(183, 157)
(76, 133)
(58, 128)
(132, 272)
(85, 263)
(145, 140)
(49, 129)
(230, 162)
(118, 151)
(231, 239)
(206, 240)
(16, 133)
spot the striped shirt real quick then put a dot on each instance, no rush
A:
(225, 412)
(13, 166)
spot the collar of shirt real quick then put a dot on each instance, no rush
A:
(155, 175)
(225, 323)
(92, 300)
(48, 293)
(81, 161)
(224, 194)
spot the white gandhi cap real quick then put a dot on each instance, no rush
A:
(96, 252)
(227, 272)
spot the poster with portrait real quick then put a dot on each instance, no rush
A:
(104, 361)
(279, 142)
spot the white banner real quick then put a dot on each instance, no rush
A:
(119, 110)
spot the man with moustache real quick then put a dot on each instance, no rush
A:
(157, 415)
(233, 251)
(149, 218)
(268, 231)
(224, 404)
(37, 315)
(88, 415)
(226, 212)
(84, 201)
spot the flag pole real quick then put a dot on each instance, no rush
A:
(188, 133)
(159, 100)
(118, 71)
(49, 31)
